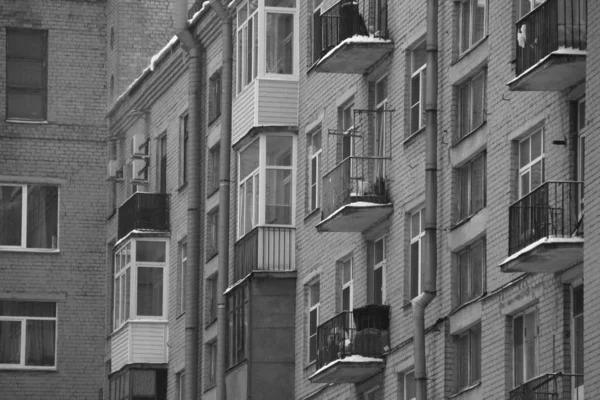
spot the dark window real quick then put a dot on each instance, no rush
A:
(471, 264)
(238, 324)
(184, 148)
(212, 234)
(26, 75)
(213, 170)
(471, 187)
(469, 357)
(162, 164)
(214, 97)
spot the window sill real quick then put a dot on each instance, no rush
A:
(179, 316)
(470, 50)
(182, 187)
(28, 368)
(214, 120)
(24, 250)
(472, 132)
(211, 192)
(112, 214)
(409, 138)
(210, 257)
(27, 121)
(209, 388)
(312, 68)
(310, 365)
(312, 213)
(465, 220)
(464, 390)
(209, 324)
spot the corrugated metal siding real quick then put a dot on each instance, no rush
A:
(120, 349)
(277, 102)
(243, 112)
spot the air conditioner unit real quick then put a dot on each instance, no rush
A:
(139, 171)
(139, 145)
(113, 172)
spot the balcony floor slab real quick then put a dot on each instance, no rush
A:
(352, 369)
(557, 71)
(355, 217)
(354, 55)
(547, 255)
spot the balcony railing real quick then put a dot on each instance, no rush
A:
(551, 210)
(354, 179)
(265, 248)
(556, 386)
(364, 332)
(149, 211)
(348, 18)
(552, 25)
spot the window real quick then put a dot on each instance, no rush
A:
(27, 334)
(472, 23)
(525, 6)
(313, 320)
(162, 164)
(211, 299)
(317, 33)
(28, 216)
(214, 97)
(407, 390)
(183, 160)
(469, 357)
(531, 162)
(471, 267)
(471, 104)
(143, 384)
(182, 274)
(471, 187)
(266, 200)
(380, 137)
(581, 151)
(211, 365)
(212, 234)
(247, 43)
(139, 281)
(373, 394)
(376, 266)
(180, 378)
(347, 285)
(525, 346)
(417, 235)
(238, 324)
(280, 43)
(213, 177)
(315, 170)
(418, 64)
(346, 119)
(26, 74)
(577, 336)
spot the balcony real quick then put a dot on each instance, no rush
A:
(265, 248)
(555, 386)
(139, 342)
(551, 46)
(350, 346)
(546, 229)
(354, 36)
(354, 196)
(144, 211)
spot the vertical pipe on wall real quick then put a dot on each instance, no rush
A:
(429, 273)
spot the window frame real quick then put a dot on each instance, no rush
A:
(416, 239)
(467, 207)
(243, 77)
(214, 96)
(314, 178)
(41, 90)
(466, 376)
(211, 365)
(472, 43)
(580, 150)
(238, 303)
(23, 247)
(465, 128)
(161, 163)
(382, 265)
(524, 378)
(346, 284)
(212, 233)
(23, 319)
(183, 148)
(316, 30)
(181, 275)
(578, 382)
(180, 378)
(405, 377)
(211, 299)
(466, 275)
(214, 169)
(313, 306)
(420, 72)
(527, 168)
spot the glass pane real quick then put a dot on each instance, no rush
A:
(346, 306)
(239, 61)
(242, 15)
(314, 294)
(127, 295)
(578, 347)
(26, 43)
(150, 251)
(478, 20)
(475, 352)
(249, 49)
(40, 342)
(27, 309)
(536, 174)
(465, 112)
(25, 73)
(477, 269)
(312, 328)
(478, 184)
(409, 386)
(465, 209)
(150, 291)
(378, 286)
(581, 115)
(463, 281)
(26, 105)
(465, 18)
(381, 90)
(249, 206)
(279, 150)
(478, 87)
(10, 342)
(278, 195)
(414, 269)
(280, 3)
(415, 224)
(11, 206)
(117, 304)
(255, 46)
(143, 382)
(536, 145)
(524, 153)
(419, 57)
(347, 272)
(463, 361)
(379, 251)
(347, 121)
(249, 159)
(280, 43)
(316, 142)
(525, 184)
(42, 217)
(312, 348)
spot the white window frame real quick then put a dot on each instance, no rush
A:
(466, 271)
(182, 273)
(466, 89)
(418, 238)
(314, 177)
(380, 143)
(23, 343)
(577, 385)
(316, 308)
(472, 43)
(347, 130)
(258, 175)
(262, 47)
(180, 378)
(526, 169)
(417, 71)
(472, 377)
(405, 377)
(134, 266)
(525, 360)
(212, 233)
(470, 207)
(380, 265)
(211, 364)
(211, 299)
(24, 196)
(347, 284)
(241, 30)
(317, 7)
(183, 151)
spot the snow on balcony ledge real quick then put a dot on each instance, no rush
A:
(561, 51)
(541, 242)
(353, 359)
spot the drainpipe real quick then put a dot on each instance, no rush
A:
(194, 271)
(430, 254)
(224, 188)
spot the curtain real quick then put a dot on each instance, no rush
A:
(10, 342)
(11, 203)
(40, 342)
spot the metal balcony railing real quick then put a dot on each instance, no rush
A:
(552, 25)
(348, 18)
(354, 179)
(556, 386)
(144, 211)
(364, 331)
(266, 248)
(551, 210)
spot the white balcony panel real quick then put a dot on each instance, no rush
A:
(139, 342)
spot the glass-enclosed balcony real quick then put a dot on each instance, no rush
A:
(555, 386)
(546, 229)
(354, 36)
(351, 345)
(551, 46)
(144, 211)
